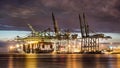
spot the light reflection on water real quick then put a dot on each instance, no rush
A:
(118, 62)
(73, 62)
(31, 63)
(10, 62)
(59, 61)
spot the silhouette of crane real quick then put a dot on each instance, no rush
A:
(89, 43)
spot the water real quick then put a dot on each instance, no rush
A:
(60, 61)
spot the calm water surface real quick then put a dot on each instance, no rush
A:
(60, 61)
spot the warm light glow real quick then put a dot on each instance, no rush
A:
(31, 61)
(69, 46)
(11, 47)
(76, 50)
(30, 42)
(10, 63)
(17, 45)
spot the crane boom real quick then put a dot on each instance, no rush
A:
(33, 31)
(55, 24)
(81, 27)
(86, 26)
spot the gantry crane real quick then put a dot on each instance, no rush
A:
(89, 43)
(85, 46)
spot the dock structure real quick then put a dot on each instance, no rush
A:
(47, 41)
(61, 42)
(89, 43)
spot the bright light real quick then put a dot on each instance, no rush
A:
(76, 50)
(32, 42)
(69, 46)
(11, 47)
(111, 47)
(17, 45)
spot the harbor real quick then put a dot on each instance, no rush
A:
(60, 42)
(59, 33)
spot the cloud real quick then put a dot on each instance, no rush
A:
(8, 27)
(7, 43)
(3, 44)
(100, 14)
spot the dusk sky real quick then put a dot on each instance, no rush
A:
(101, 15)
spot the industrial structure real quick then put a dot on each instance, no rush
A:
(56, 41)
(89, 43)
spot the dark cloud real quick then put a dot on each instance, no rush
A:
(7, 43)
(102, 15)
(3, 44)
